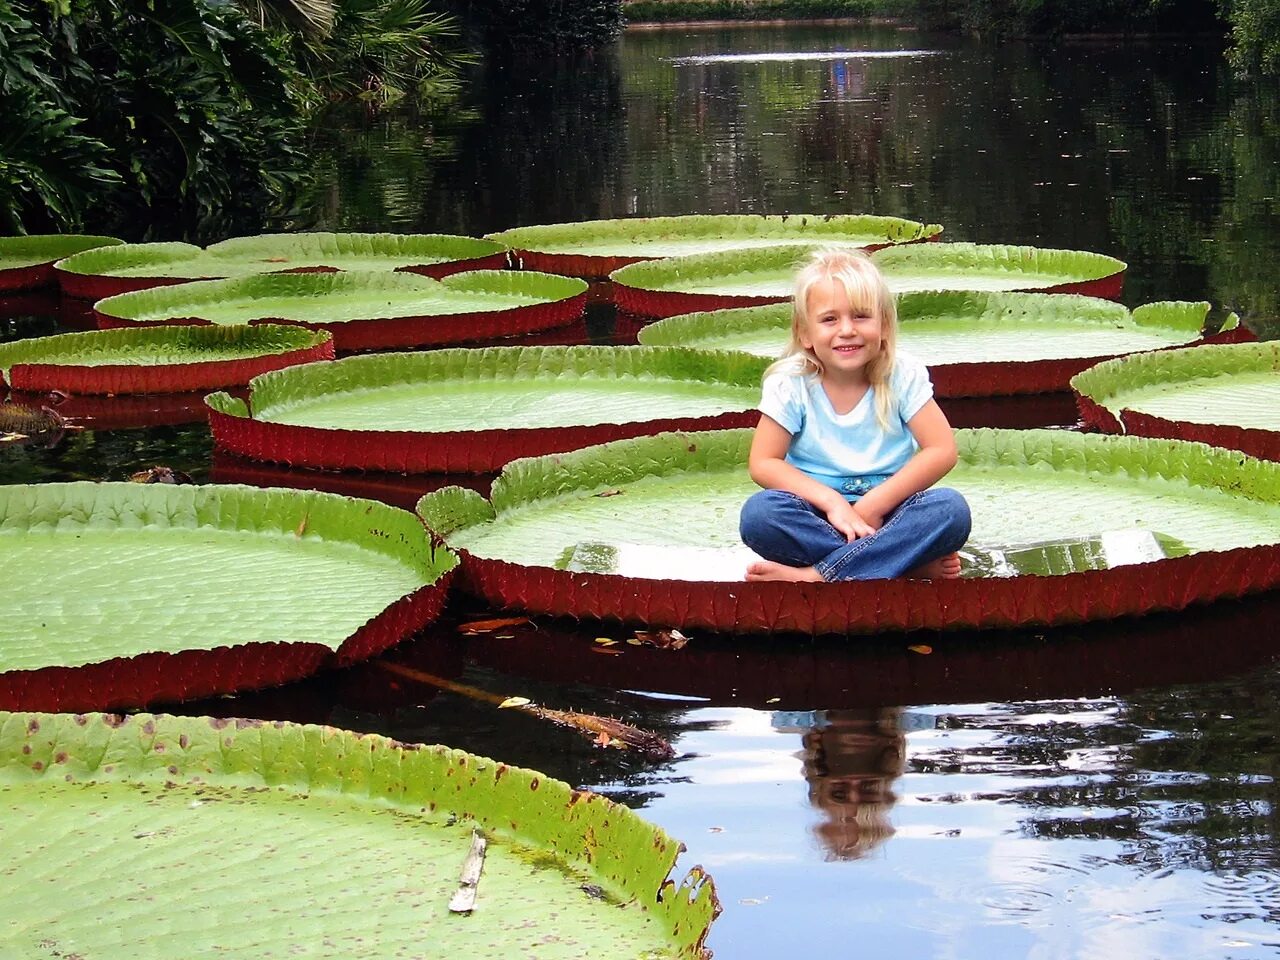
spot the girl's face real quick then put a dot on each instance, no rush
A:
(844, 337)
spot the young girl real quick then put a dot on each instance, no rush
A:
(850, 443)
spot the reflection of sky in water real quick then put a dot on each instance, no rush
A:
(798, 56)
(967, 868)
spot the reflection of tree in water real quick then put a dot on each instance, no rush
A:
(109, 455)
(548, 148)
(1183, 777)
(851, 758)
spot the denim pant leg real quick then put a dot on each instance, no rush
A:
(927, 525)
(787, 529)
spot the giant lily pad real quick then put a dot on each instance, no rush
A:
(598, 247)
(366, 311)
(215, 838)
(161, 360)
(547, 541)
(27, 262)
(472, 411)
(125, 594)
(745, 278)
(975, 344)
(137, 266)
(1228, 396)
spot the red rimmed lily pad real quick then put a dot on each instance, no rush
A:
(170, 359)
(976, 344)
(365, 311)
(471, 411)
(595, 248)
(1228, 396)
(548, 541)
(26, 263)
(126, 594)
(363, 840)
(138, 266)
(748, 278)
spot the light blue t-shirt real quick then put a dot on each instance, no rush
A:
(849, 452)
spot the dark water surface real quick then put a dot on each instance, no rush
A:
(1099, 792)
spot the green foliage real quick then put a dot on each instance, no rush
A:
(381, 51)
(176, 114)
(1255, 34)
(527, 28)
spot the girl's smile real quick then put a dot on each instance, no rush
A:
(843, 337)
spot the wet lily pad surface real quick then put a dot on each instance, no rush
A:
(91, 573)
(273, 253)
(680, 495)
(964, 327)
(287, 839)
(765, 275)
(492, 400)
(364, 310)
(1236, 384)
(594, 247)
(167, 359)
(1227, 395)
(26, 262)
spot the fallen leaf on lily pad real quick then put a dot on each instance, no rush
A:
(514, 702)
(920, 648)
(608, 493)
(612, 653)
(605, 641)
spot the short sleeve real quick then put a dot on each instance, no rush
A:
(911, 385)
(780, 401)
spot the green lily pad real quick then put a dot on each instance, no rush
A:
(160, 360)
(114, 573)
(752, 277)
(365, 310)
(282, 839)
(594, 248)
(474, 410)
(1227, 394)
(679, 495)
(27, 262)
(974, 344)
(133, 266)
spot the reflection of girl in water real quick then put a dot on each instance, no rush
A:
(851, 760)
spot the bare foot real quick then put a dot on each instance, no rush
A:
(944, 568)
(768, 570)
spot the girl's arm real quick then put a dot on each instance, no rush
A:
(770, 470)
(933, 461)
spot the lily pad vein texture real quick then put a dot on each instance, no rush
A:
(683, 492)
(170, 359)
(471, 411)
(744, 278)
(1226, 395)
(235, 838)
(975, 344)
(363, 309)
(26, 263)
(595, 248)
(122, 594)
(137, 266)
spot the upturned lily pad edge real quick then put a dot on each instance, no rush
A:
(1095, 387)
(867, 606)
(236, 429)
(633, 860)
(149, 677)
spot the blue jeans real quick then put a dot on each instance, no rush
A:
(788, 529)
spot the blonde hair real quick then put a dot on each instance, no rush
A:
(865, 287)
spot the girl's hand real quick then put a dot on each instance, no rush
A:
(848, 522)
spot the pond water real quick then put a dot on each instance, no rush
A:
(1102, 791)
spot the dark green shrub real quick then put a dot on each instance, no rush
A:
(528, 28)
